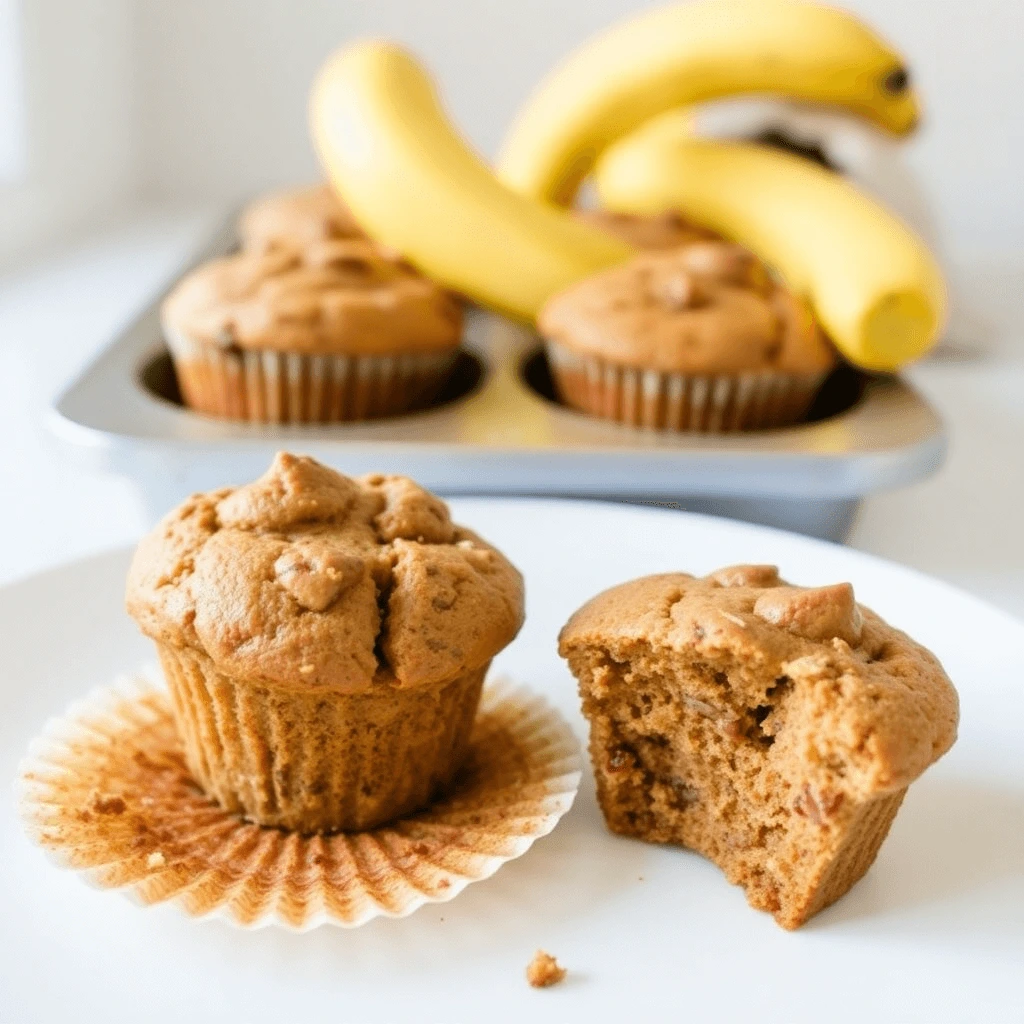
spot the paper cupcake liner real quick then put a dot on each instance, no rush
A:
(318, 765)
(709, 403)
(864, 837)
(278, 387)
(107, 793)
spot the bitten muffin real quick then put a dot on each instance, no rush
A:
(325, 641)
(698, 337)
(773, 729)
(665, 231)
(296, 218)
(328, 333)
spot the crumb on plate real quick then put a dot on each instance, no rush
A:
(544, 970)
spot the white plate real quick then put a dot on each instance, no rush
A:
(935, 932)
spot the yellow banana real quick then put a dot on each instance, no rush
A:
(688, 53)
(414, 184)
(873, 284)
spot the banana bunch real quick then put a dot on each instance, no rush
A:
(413, 184)
(689, 53)
(504, 238)
(874, 286)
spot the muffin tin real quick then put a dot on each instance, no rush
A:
(499, 430)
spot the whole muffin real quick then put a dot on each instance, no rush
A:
(699, 337)
(666, 231)
(773, 729)
(325, 641)
(296, 218)
(327, 333)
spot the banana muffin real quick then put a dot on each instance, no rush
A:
(664, 231)
(325, 641)
(772, 728)
(698, 337)
(296, 218)
(331, 332)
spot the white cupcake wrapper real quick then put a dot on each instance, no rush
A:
(277, 387)
(105, 792)
(710, 403)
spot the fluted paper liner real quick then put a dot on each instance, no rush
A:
(106, 792)
(708, 403)
(291, 387)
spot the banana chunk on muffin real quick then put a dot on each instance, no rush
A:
(325, 641)
(772, 728)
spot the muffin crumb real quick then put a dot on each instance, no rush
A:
(156, 860)
(544, 970)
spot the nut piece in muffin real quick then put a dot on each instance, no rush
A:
(296, 218)
(665, 231)
(325, 641)
(772, 728)
(698, 337)
(327, 333)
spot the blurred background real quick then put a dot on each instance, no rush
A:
(106, 105)
(129, 128)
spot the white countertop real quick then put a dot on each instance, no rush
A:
(964, 525)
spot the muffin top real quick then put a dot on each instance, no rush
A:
(307, 578)
(665, 231)
(334, 297)
(296, 218)
(708, 307)
(864, 695)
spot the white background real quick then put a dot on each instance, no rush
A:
(147, 101)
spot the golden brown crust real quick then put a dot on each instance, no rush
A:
(307, 578)
(705, 308)
(874, 698)
(665, 231)
(295, 218)
(335, 297)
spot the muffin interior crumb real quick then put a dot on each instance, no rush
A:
(544, 970)
(687, 760)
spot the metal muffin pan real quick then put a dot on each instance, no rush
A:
(500, 431)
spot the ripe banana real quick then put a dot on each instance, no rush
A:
(689, 53)
(413, 184)
(873, 285)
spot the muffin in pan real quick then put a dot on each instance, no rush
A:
(296, 218)
(325, 641)
(331, 332)
(699, 337)
(772, 728)
(668, 230)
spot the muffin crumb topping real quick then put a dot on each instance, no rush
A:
(334, 296)
(707, 307)
(307, 577)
